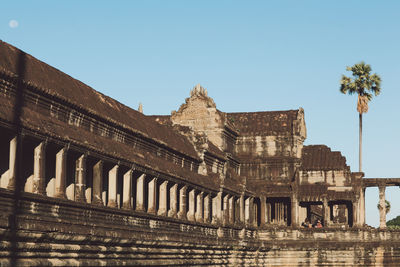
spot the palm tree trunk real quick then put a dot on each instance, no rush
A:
(360, 143)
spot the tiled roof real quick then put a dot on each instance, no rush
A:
(162, 119)
(213, 149)
(320, 157)
(58, 84)
(263, 123)
(54, 128)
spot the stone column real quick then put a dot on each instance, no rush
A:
(382, 207)
(355, 206)
(207, 208)
(173, 201)
(127, 190)
(112, 187)
(326, 213)
(231, 210)
(12, 164)
(39, 169)
(247, 211)
(61, 173)
(295, 211)
(182, 203)
(268, 212)
(140, 192)
(190, 214)
(362, 207)
(152, 208)
(241, 209)
(98, 183)
(217, 212)
(263, 211)
(214, 216)
(199, 211)
(162, 206)
(253, 217)
(80, 179)
(225, 219)
(237, 211)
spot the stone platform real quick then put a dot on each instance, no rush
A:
(42, 231)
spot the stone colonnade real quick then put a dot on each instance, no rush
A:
(290, 211)
(84, 178)
(381, 183)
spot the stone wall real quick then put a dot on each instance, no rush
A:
(43, 231)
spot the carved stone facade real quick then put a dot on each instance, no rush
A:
(264, 153)
(79, 170)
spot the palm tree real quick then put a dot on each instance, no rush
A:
(363, 83)
(387, 205)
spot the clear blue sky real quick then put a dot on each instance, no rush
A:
(250, 55)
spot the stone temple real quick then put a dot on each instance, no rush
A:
(86, 180)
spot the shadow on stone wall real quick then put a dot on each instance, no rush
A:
(18, 181)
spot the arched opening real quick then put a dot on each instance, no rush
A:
(257, 211)
(341, 213)
(371, 210)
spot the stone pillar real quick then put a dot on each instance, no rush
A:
(173, 201)
(382, 207)
(199, 211)
(190, 214)
(112, 187)
(207, 208)
(225, 218)
(12, 164)
(162, 206)
(263, 211)
(217, 211)
(355, 206)
(268, 213)
(295, 211)
(39, 169)
(152, 208)
(237, 211)
(362, 207)
(127, 190)
(182, 203)
(80, 179)
(231, 210)
(247, 211)
(253, 217)
(61, 173)
(241, 209)
(98, 183)
(326, 213)
(140, 192)
(214, 216)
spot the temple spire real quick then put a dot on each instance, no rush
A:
(198, 90)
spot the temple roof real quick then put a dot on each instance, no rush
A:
(33, 120)
(263, 123)
(56, 83)
(320, 157)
